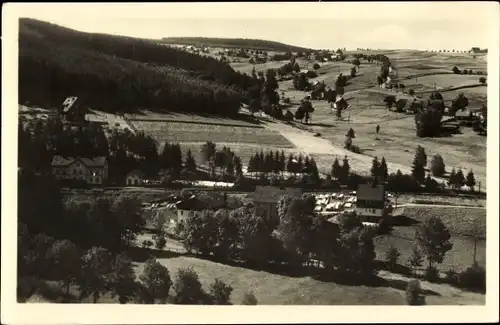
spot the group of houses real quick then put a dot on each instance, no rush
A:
(368, 202)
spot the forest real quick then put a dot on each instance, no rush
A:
(119, 74)
(252, 44)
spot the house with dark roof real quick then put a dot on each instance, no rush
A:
(266, 198)
(91, 170)
(191, 205)
(370, 200)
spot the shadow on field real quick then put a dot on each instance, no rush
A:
(403, 221)
(141, 254)
(324, 125)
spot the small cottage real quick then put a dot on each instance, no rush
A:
(135, 178)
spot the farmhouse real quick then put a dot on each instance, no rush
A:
(190, 205)
(90, 170)
(266, 198)
(370, 200)
(135, 177)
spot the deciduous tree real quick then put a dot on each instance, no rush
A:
(433, 238)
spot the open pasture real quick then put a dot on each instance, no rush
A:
(397, 139)
(240, 120)
(192, 132)
(277, 289)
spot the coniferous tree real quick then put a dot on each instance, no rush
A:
(336, 169)
(470, 180)
(374, 170)
(383, 170)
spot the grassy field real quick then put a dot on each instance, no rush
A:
(195, 132)
(397, 139)
(273, 289)
(464, 221)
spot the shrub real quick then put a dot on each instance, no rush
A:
(431, 274)
(392, 256)
(473, 278)
(316, 66)
(413, 291)
(482, 80)
(286, 100)
(354, 148)
(289, 116)
(311, 74)
(455, 70)
(249, 299)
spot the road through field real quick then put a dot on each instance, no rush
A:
(325, 152)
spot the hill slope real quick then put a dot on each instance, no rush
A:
(254, 44)
(119, 74)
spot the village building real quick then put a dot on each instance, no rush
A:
(191, 205)
(135, 178)
(93, 171)
(265, 198)
(370, 200)
(72, 111)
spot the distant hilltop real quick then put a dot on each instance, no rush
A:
(254, 44)
(478, 50)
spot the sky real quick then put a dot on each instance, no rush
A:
(397, 25)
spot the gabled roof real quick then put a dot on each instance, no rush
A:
(61, 161)
(368, 192)
(136, 172)
(68, 103)
(193, 204)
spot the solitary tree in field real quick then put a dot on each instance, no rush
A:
(351, 134)
(220, 293)
(418, 170)
(411, 92)
(156, 281)
(187, 287)
(437, 166)
(482, 80)
(470, 180)
(316, 66)
(433, 238)
(456, 70)
(422, 156)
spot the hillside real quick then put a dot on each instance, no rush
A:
(253, 44)
(120, 74)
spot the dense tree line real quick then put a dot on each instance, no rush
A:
(39, 141)
(255, 44)
(296, 239)
(131, 72)
(276, 163)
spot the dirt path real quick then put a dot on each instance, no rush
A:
(325, 152)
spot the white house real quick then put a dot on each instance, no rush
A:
(134, 178)
(370, 200)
